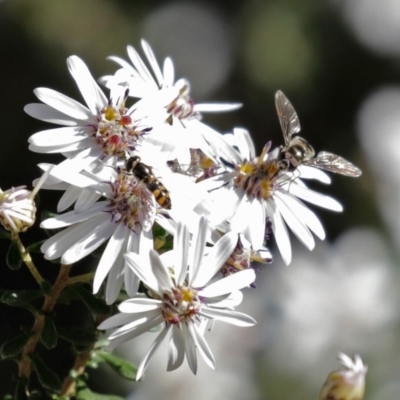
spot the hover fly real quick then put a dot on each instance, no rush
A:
(144, 173)
(298, 151)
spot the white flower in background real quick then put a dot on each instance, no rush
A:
(347, 383)
(104, 129)
(183, 126)
(184, 298)
(342, 296)
(258, 192)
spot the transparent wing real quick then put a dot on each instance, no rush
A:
(194, 171)
(333, 163)
(287, 115)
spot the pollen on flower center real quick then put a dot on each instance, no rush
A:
(181, 304)
(129, 204)
(116, 132)
(258, 179)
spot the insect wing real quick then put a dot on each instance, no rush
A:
(334, 163)
(287, 115)
(147, 208)
(194, 171)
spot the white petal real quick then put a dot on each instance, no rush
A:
(244, 143)
(82, 144)
(63, 104)
(115, 280)
(88, 243)
(280, 232)
(215, 259)
(209, 107)
(49, 114)
(307, 216)
(115, 320)
(60, 136)
(150, 353)
(94, 97)
(255, 230)
(86, 200)
(68, 198)
(181, 250)
(176, 349)
(142, 267)
(308, 172)
(190, 346)
(111, 252)
(139, 330)
(229, 316)
(168, 72)
(315, 197)
(233, 300)
(72, 217)
(229, 284)
(61, 241)
(295, 223)
(198, 245)
(153, 62)
(203, 347)
(139, 305)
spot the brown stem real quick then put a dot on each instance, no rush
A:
(81, 278)
(25, 363)
(69, 384)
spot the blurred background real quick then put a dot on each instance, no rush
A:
(338, 61)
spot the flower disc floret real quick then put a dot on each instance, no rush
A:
(258, 179)
(180, 305)
(131, 202)
(116, 132)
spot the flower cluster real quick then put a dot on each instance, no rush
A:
(143, 159)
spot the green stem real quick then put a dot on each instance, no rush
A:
(81, 278)
(26, 257)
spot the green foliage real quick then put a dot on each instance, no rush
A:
(46, 287)
(163, 241)
(21, 299)
(84, 393)
(14, 257)
(47, 378)
(11, 348)
(48, 336)
(4, 234)
(76, 336)
(35, 247)
(124, 368)
(93, 303)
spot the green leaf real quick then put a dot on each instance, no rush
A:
(93, 303)
(35, 247)
(77, 336)
(124, 368)
(48, 335)
(47, 378)
(14, 346)
(14, 258)
(19, 298)
(4, 234)
(87, 394)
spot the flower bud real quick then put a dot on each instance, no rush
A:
(347, 383)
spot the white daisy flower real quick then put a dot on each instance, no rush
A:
(104, 129)
(183, 298)
(258, 192)
(125, 217)
(347, 383)
(184, 126)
